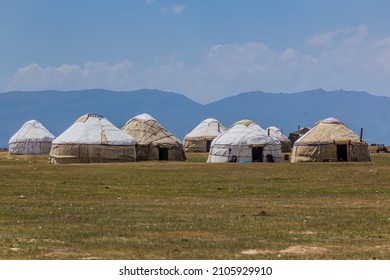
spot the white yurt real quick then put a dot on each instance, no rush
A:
(154, 142)
(92, 138)
(245, 141)
(31, 138)
(200, 138)
(284, 141)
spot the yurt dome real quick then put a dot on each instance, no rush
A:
(245, 141)
(330, 140)
(154, 142)
(200, 138)
(92, 138)
(31, 138)
(284, 141)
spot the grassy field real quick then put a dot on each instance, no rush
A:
(194, 210)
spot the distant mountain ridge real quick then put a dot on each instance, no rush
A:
(57, 110)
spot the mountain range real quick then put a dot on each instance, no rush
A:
(57, 110)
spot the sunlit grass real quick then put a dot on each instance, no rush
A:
(194, 210)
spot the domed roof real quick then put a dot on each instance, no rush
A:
(331, 120)
(328, 130)
(94, 129)
(32, 130)
(245, 132)
(207, 128)
(146, 130)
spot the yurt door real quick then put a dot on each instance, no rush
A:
(342, 154)
(208, 145)
(163, 154)
(257, 154)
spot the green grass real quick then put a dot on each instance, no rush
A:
(194, 210)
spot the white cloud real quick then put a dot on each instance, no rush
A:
(380, 51)
(91, 75)
(323, 39)
(353, 61)
(358, 36)
(178, 9)
(349, 61)
(345, 36)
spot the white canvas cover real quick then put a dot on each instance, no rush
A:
(94, 129)
(92, 138)
(31, 138)
(327, 140)
(154, 142)
(197, 139)
(284, 141)
(240, 141)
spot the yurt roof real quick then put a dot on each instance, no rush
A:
(146, 130)
(328, 130)
(94, 129)
(276, 132)
(245, 132)
(32, 130)
(330, 120)
(301, 131)
(207, 128)
(144, 117)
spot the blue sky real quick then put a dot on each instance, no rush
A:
(204, 49)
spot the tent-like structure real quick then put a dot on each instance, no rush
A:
(200, 138)
(154, 142)
(284, 141)
(295, 135)
(31, 138)
(92, 138)
(330, 140)
(245, 141)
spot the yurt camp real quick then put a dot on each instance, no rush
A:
(92, 138)
(284, 141)
(200, 138)
(154, 142)
(245, 141)
(31, 138)
(330, 140)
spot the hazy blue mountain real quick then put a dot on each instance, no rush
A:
(288, 111)
(58, 110)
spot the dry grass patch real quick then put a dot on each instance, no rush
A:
(65, 253)
(194, 210)
(253, 252)
(304, 250)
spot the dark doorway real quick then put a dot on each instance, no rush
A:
(257, 154)
(342, 153)
(208, 145)
(163, 154)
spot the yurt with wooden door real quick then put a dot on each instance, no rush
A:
(200, 138)
(154, 142)
(92, 138)
(330, 140)
(245, 141)
(284, 141)
(31, 138)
